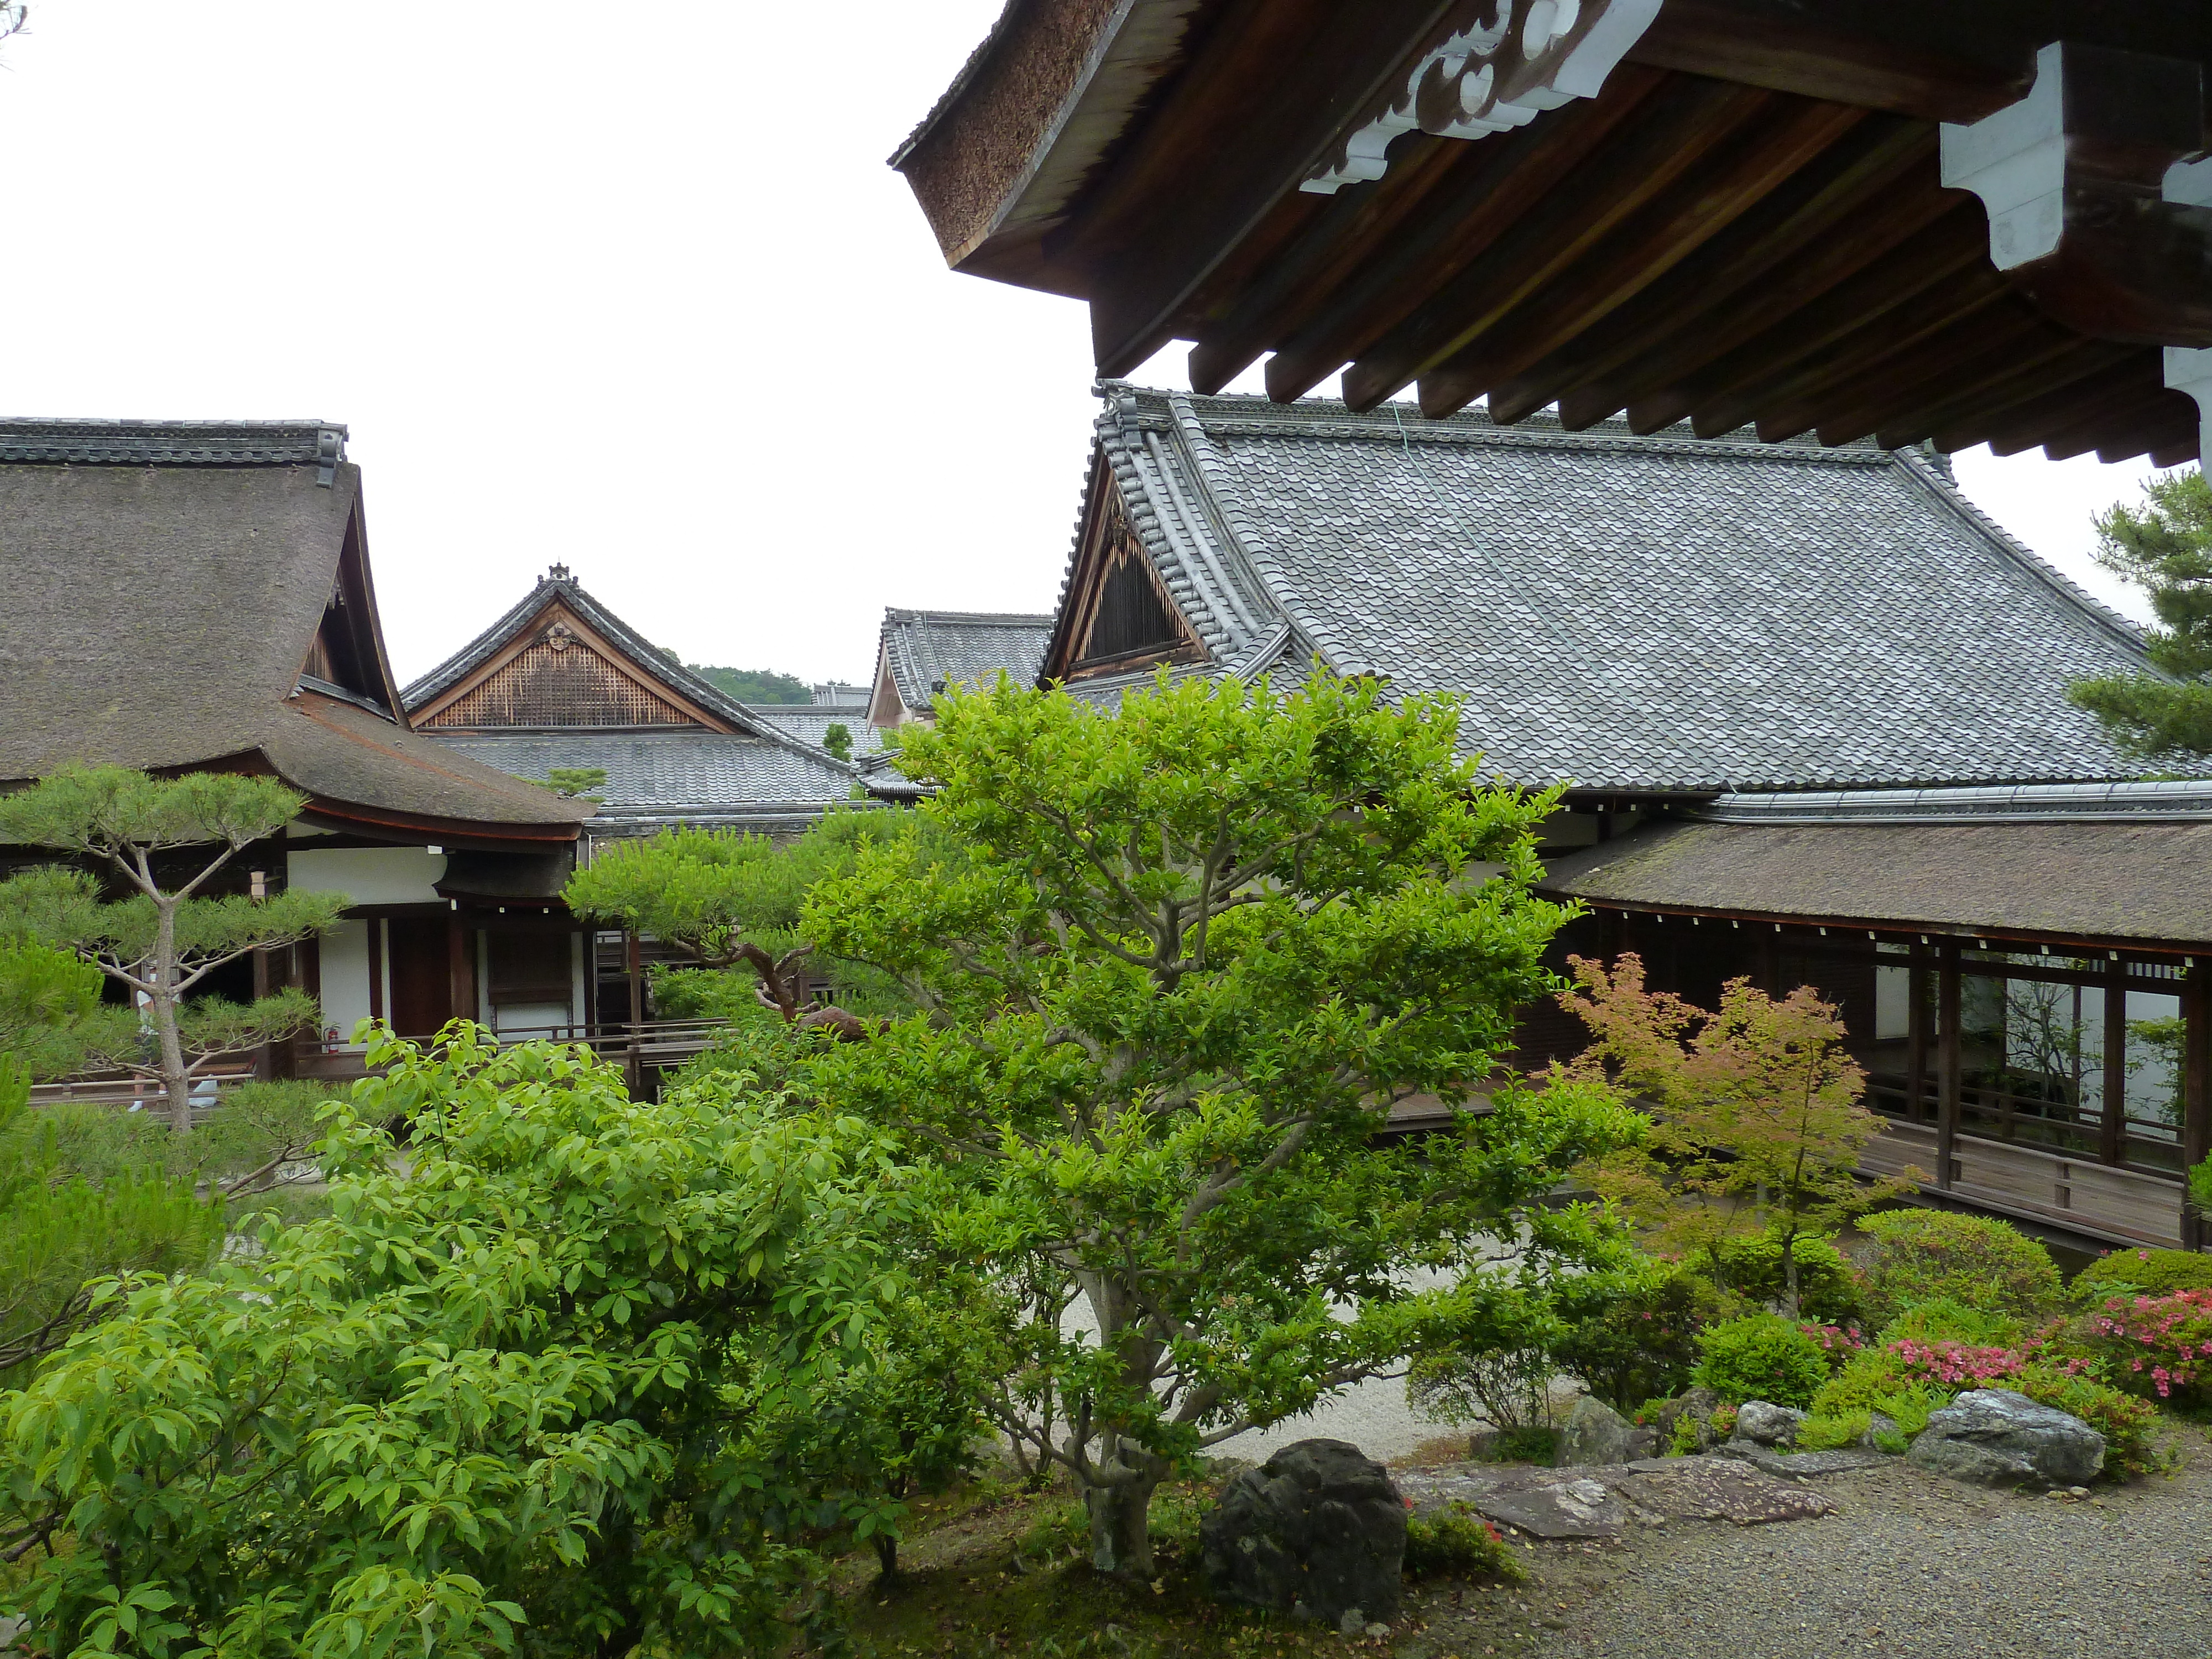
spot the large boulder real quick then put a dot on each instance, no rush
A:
(1317, 1531)
(1596, 1433)
(1765, 1424)
(1995, 1438)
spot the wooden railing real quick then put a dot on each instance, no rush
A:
(655, 1045)
(2105, 1201)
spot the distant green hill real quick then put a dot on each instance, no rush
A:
(755, 685)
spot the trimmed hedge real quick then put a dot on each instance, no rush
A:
(1761, 1357)
(2148, 1273)
(1924, 1255)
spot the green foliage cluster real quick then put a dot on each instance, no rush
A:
(513, 1382)
(163, 938)
(576, 783)
(2143, 1273)
(2163, 547)
(759, 685)
(1848, 1428)
(1918, 1257)
(1193, 952)
(1752, 1266)
(1761, 1355)
(1874, 1380)
(1640, 1343)
(837, 739)
(1940, 1319)
(1455, 1542)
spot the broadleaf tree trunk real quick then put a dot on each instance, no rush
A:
(176, 1078)
(1121, 1522)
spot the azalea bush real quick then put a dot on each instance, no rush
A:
(1455, 1542)
(2157, 1345)
(1919, 1256)
(2144, 1272)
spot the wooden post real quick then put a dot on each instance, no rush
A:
(1948, 1063)
(1916, 1035)
(265, 1058)
(376, 967)
(2195, 1096)
(633, 959)
(460, 968)
(2113, 1127)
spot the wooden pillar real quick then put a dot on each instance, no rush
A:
(376, 967)
(633, 961)
(2195, 1096)
(1915, 1037)
(265, 1058)
(460, 967)
(2113, 1124)
(1948, 1063)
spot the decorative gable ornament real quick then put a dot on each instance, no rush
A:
(1527, 56)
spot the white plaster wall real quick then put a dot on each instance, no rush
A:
(345, 976)
(532, 1017)
(369, 875)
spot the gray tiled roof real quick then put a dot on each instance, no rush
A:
(171, 443)
(927, 649)
(693, 777)
(1653, 613)
(809, 723)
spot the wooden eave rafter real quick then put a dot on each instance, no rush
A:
(351, 628)
(1732, 212)
(586, 638)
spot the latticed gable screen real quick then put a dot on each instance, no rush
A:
(1130, 616)
(568, 684)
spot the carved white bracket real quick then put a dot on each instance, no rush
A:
(2192, 372)
(1531, 55)
(2016, 162)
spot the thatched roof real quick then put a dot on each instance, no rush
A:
(171, 588)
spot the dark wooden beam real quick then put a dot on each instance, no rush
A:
(1948, 1068)
(1957, 242)
(1999, 383)
(1263, 100)
(1832, 342)
(2156, 431)
(1343, 233)
(2195, 1094)
(1510, 173)
(1669, 230)
(2154, 415)
(2113, 1121)
(1735, 272)
(2097, 397)
(1941, 348)
(1892, 60)
(1681, 124)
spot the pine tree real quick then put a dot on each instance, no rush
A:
(2163, 547)
(163, 939)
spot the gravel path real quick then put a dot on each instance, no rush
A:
(1911, 1565)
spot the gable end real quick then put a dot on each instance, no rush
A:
(559, 671)
(1119, 614)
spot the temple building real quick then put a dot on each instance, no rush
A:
(562, 683)
(919, 654)
(196, 595)
(1808, 708)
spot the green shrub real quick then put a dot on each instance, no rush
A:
(1457, 1542)
(1946, 1320)
(1922, 1255)
(1828, 1290)
(2125, 1423)
(2145, 1273)
(1523, 1444)
(1643, 1344)
(1685, 1442)
(1818, 1433)
(1761, 1357)
(1875, 1381)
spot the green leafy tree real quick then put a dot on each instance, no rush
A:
(2165, 547)
(485, 1401)
(161, 842)
(837, 739)
(756, 685)
(727, 899)
(1191, 956)
(1760, 1124)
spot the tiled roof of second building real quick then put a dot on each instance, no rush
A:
(1631, 612)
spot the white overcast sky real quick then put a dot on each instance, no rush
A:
(626, 287)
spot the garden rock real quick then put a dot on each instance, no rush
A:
(1698, 1405)
(1796, 1465)
(1317, 1531)
(1878, 1425)
(1995, 1437)
(1606, 1500)
(1596, 1433)
(1768, 1425)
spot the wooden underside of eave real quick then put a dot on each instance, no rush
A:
(1679, 248)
